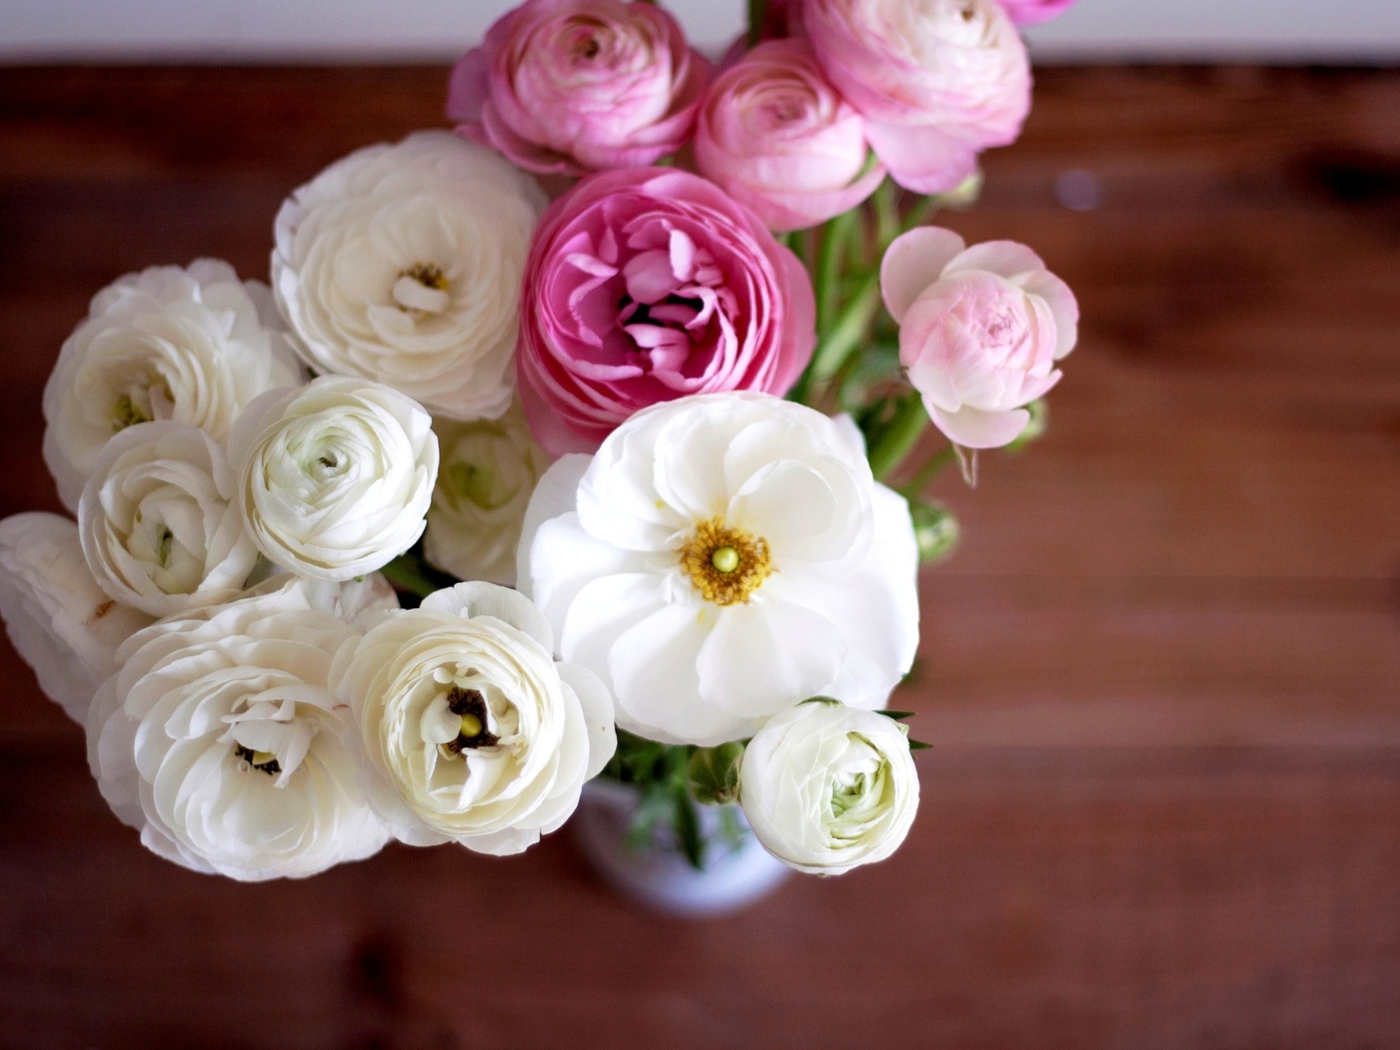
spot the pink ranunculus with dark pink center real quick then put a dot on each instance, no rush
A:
(937, 81)
(572, 86)
(981, 330)
(1033, 12)
(645, 285)
(776, 135)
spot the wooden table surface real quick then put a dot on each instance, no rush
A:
(1161, 675)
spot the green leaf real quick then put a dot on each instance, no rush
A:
(918, 745)
(898, 716)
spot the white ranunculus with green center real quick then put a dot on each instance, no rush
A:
(59, 620)
(160, 528)
(402, 264)
(722, 558)
(334, 479)
(194, 345)
(220, 741)
(489, 470)
(827, 788)
(469, 730)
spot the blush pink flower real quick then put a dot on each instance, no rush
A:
(1032, 12)
(981, 329)
(937, 81)
(645, 285)
(777, 136)
(572, 86)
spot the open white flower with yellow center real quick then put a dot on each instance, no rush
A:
(160, 526)
(470, 731)
(489, 470)
(402, 264)
(721, 558)
(827, 788)
(192, 344)
(59, 620)
(219, 739)
(334, 479)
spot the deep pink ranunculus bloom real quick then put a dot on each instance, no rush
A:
(778, 137)
(568, 87)
(937, 82)
(1031, 12)
(645, 285)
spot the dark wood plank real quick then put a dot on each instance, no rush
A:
(1163, 809)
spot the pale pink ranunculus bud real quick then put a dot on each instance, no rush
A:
(777, 136)
(1033, 12)
(981, 329)
(937, 81)
(645, 285)
(567, 87)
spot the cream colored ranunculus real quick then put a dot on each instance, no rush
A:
(191, 344)
(334, 479)
(489, 471)
(160, 527)
(59, 620)
(219, 739)
(402, 264)
(469, 731)
(827, 788)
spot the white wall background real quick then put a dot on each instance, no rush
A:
(439, 30)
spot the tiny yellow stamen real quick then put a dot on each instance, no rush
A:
(726, 564)
(127, 413)
(262, 758)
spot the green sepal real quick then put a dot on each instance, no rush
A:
(918, 745)
(898, 716)
(713, 774)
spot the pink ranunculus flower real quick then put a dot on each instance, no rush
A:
(937, 81)
(572, 86)
(1032, 12)
(981, 329)
(777, 136)
(645, 285)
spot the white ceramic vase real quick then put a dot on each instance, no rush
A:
(737, 872)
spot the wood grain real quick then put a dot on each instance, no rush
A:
(1163, 808)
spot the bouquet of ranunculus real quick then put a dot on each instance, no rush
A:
(489, 495)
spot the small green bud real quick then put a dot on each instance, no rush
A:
(1035, 429)
(713, 774)
(964, 195)
(935, 529)
(725, 559)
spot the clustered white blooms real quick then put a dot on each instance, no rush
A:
(194, 345)
(721, 559)
(242, 461)
(402, 264)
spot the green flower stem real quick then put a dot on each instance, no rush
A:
(921, 212)
(835, 234)
(406, 574)
(914, 488)
(887, 223)
(898, 437)
(848, 329)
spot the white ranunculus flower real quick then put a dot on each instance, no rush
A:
(334, 479)
(190, 344)
(59, 620)
(220, 740)
(470, 731)
(489, 470)
(721, 558)
(827, 788)
(402, 264)
(159, 525)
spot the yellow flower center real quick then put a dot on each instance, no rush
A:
(726, 565)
